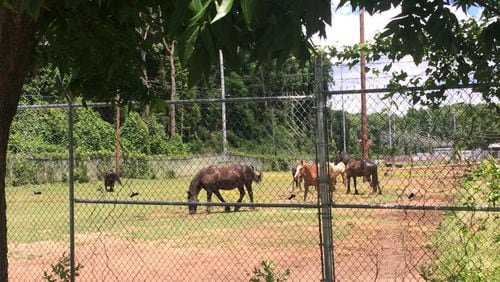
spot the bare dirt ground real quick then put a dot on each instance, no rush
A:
(377, 245)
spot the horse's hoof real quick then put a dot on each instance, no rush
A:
(236, 209)
(227, 209)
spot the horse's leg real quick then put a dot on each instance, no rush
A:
(242, 193)
(306, 189)
(221, 199)
(209, 200)
(349, 184)
(355, 186)
(250, 194)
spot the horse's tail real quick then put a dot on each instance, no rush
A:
(374, 180)
(117, 178)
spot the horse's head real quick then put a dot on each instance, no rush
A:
(192, 199)
(342, 157)
(299, 171)
(257, 176)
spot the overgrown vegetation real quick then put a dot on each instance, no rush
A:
(466, 243)
(61, 270)
(267, 272)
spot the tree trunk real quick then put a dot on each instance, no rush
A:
(169, 47)
(17, 33)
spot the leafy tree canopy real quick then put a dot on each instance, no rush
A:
(458, 53)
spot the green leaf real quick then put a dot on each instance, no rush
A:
(187, 41)
(247, 8)
(178, 16)
(222, 9)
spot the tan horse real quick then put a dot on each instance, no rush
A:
(309, 173)
(334, 170)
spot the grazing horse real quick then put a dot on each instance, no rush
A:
(334, 170)
(296, 182)
(109, 180)
(213, 179)
(356, 167)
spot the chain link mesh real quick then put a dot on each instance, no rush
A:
(426, 157)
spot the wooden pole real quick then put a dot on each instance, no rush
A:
(364, 127)
(117, 135)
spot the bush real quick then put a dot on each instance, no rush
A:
(137, 167)
(25, 172)
(61, 270)
(169, 174)
(267, 273)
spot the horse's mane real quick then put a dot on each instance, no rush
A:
(195, 182)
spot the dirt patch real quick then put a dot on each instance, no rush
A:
(369, 245)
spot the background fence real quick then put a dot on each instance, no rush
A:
(436, 218)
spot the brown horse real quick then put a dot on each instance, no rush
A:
(213, 179)
(307, 172)
(356, 167)
(109, 180)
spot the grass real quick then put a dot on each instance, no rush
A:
(44, 216)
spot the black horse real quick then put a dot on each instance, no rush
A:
(213, 179)
(109, 180)
(356, 167)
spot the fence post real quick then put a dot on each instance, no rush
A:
(71, 162)
(323, 179)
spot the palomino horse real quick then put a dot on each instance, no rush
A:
(308, 172)
(213, 179)
(357, 167)
(335, 170)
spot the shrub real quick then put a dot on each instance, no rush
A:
(137, 167)
(169, 174)
(25, 172)
(268, 273)
(61, 270)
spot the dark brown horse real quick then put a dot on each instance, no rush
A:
(109, 180)
(213, 179)
(356, 167)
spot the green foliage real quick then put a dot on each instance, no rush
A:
(267, 272)
(483, 184)
(91, 132)
(61, 270)
(169, 174)
(137, 166)
(134, 134)
(465, 246)
(466, 243)
(39, 130)
(25, 172)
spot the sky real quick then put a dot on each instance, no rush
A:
(345, 31)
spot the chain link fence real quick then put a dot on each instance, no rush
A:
(436, 218)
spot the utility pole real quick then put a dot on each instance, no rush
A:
(223, 96)
(117, 135)
(364, 127)
(343, 112)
